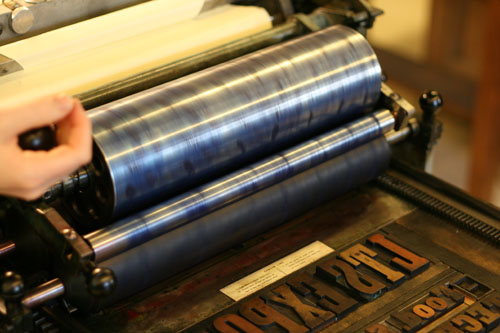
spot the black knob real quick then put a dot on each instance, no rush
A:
(38, 139)
(431, 102)
(102, 282)
(12, 286)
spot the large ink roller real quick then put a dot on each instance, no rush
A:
(163, 141)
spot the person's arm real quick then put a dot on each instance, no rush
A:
(27, 174)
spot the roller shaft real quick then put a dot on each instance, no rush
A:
(43, 293)
(167, 216)
(6, 248)
(178, 135)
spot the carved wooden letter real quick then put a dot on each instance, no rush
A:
(405, 259)
(312, 316)
(265, 316)
(357, 254)
(364, 285)
(330, 299)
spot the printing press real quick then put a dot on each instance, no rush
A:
(270, 183)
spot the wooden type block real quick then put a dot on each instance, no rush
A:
(312, 316)
(467, 323)
(360, 284)
(265, 316)
(359, 254)
(329, 298)
(487, 317)
(408, 261)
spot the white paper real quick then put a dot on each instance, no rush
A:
(277, 270)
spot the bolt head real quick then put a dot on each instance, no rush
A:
(70, 234)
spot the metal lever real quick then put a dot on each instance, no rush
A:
(45, 138)
(431, 103)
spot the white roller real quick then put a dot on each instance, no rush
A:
(86, 55)
(105, 29)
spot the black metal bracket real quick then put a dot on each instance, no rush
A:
(417, 150)
(357, 14)
(401, 109)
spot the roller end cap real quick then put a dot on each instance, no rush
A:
(102, 282)
(12, 286)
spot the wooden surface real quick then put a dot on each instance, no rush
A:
(485, 152)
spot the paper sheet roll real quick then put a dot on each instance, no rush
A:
(105, 29)
(89, 54)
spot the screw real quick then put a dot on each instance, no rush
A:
(70, 234)
(395, 96)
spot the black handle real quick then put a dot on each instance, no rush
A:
(38, 139)
(431, 103)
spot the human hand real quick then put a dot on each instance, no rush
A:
(27, 174)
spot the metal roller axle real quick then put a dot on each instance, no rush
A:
(43, 293)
